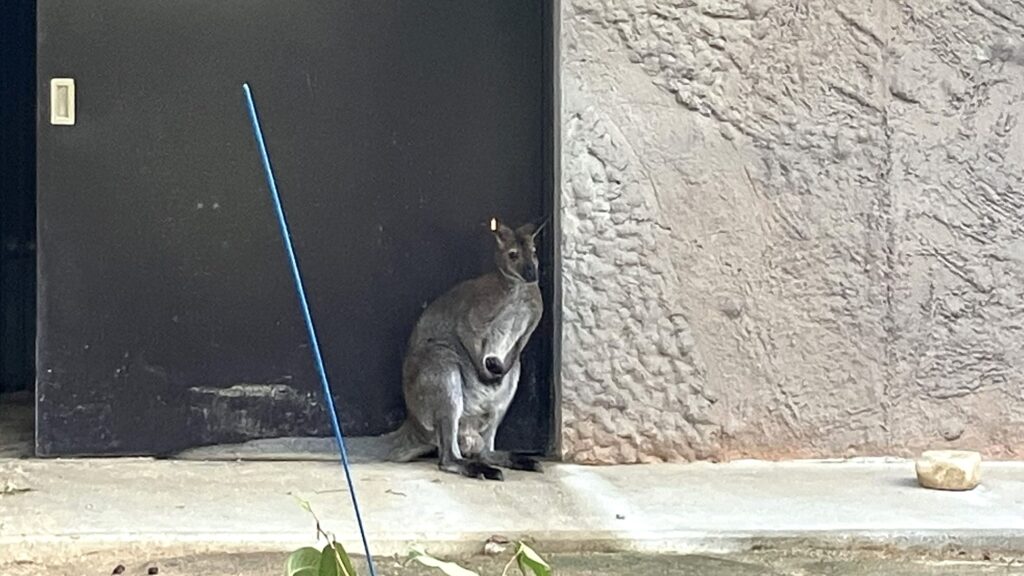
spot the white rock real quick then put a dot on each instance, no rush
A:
(496, 545)
(949, 469)
(494, 549)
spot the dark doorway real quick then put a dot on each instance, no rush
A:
(17, 223)
(397, 129)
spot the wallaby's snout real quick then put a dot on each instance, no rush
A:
(530, 272)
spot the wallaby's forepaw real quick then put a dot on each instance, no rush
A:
(488, 379)
(494, 366)
(525, 463)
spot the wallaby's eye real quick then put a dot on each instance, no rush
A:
(513, 255)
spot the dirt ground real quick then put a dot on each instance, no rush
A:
(755, 564)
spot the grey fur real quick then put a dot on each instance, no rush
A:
(462, 366)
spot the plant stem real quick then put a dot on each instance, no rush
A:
(510, 562)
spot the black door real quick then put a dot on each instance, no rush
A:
(167, 316)
(17, 198)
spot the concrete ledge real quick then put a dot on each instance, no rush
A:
(932, 544)
(86, 506)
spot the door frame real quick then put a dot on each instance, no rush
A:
(552, 256)
(552, 194)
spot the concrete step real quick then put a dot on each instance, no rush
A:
(82, 506)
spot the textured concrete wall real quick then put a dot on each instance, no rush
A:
(792, 228)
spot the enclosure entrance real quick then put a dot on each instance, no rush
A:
(397, 130)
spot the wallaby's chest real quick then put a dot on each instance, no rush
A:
(508, 322)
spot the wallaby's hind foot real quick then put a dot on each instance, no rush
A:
(472, 469)
(512, 461)
(452, 459)
(520, 462)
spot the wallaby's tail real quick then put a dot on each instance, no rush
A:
(407, 443)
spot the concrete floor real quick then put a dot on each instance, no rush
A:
(69, 508)
(211, 515)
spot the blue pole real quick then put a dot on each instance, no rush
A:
(328, 397)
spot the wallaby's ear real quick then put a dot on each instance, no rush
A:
(532, 230)
(502, 233)
(540, 228)
(526, 230)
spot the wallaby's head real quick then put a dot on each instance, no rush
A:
(516, 253)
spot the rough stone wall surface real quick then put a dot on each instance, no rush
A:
(791, 228)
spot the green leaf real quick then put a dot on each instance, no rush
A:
(530, 561)
(302, 562)
(449, 568)
(334, 561)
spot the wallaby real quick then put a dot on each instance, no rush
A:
(461, 368)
